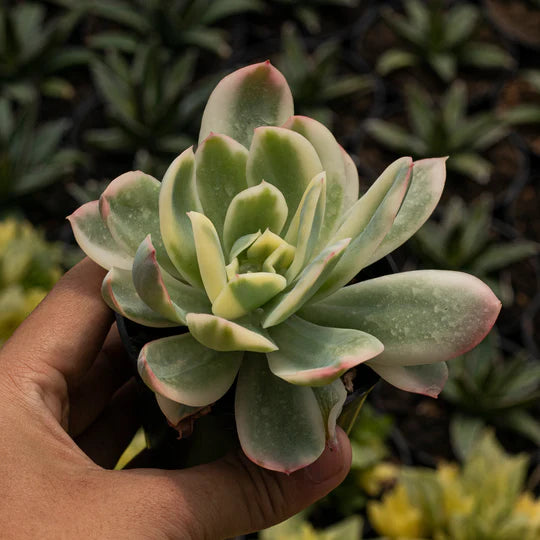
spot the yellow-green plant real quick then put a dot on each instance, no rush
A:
(29, 267)
(482, 500)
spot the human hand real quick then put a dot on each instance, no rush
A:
(66, 414)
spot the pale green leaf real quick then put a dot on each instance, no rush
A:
(183, 370)
(425, 189)
(313, 355)
(178, 196)
(279, 425)
(221, 174)
(95, 239)
(421, 317)
(427, 379)
(257, 95)
(120, 295)
(174, 412)
(331, 398)
(285, 159)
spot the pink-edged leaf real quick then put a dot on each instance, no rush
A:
(425, 189)
(129, 208)
(421, 317)
(120, 295)
(95, 239)
(427, 379)
(183, 370)
(162, 292)
(280, 425)
(256, 95)
(314, 355)
(175, 412)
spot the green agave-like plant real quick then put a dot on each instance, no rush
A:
(248, 241)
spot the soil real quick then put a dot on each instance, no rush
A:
(519, 19)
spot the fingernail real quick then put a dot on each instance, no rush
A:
(327, 466)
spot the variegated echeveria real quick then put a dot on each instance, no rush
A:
(249, 241)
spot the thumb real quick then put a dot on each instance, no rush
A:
(233, 496)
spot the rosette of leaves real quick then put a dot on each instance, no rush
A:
(177, 24)
(443, 127)
(29, 267)
(314, 79)
(148, 103)
(248, 242)
(442, 38)
(33, 50)
(462, 240)
(487, 387)
(31, 155)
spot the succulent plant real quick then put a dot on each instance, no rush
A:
(442, 38)
(248, 241)
(462, 240)
(443, 128)
(148, 104)
(31, 156)
(33, 51)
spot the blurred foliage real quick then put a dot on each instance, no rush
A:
(486, 387)
(298, 528)
(29, 267)
(482, 500)
(441, 37)
(34, 49)
(442, 127)
(91, 190)
(314, 78)
(31, 156)
(151, 102)
(306, 12)
(175, 24)
(462, 240)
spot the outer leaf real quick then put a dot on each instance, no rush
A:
(129, 207)
(378, 219)
(162, 292)
(185, 371)
(257, 208)
(421, 317)
(425, 189)
(280, 425)
(331, 398)
(352, 184)
(223, 335)
(306, 224)
(314, 355)
(305, 286)
(173, 411)
(428, 379)
(330, 154)
(245, 292)
(178, 196)
(221, 174)
(95, 239)
(285, 159)
(257, 95)
(120, 295)
(209, 255)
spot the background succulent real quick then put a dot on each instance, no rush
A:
(443, 128)
(248, 242)
(441, 38)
